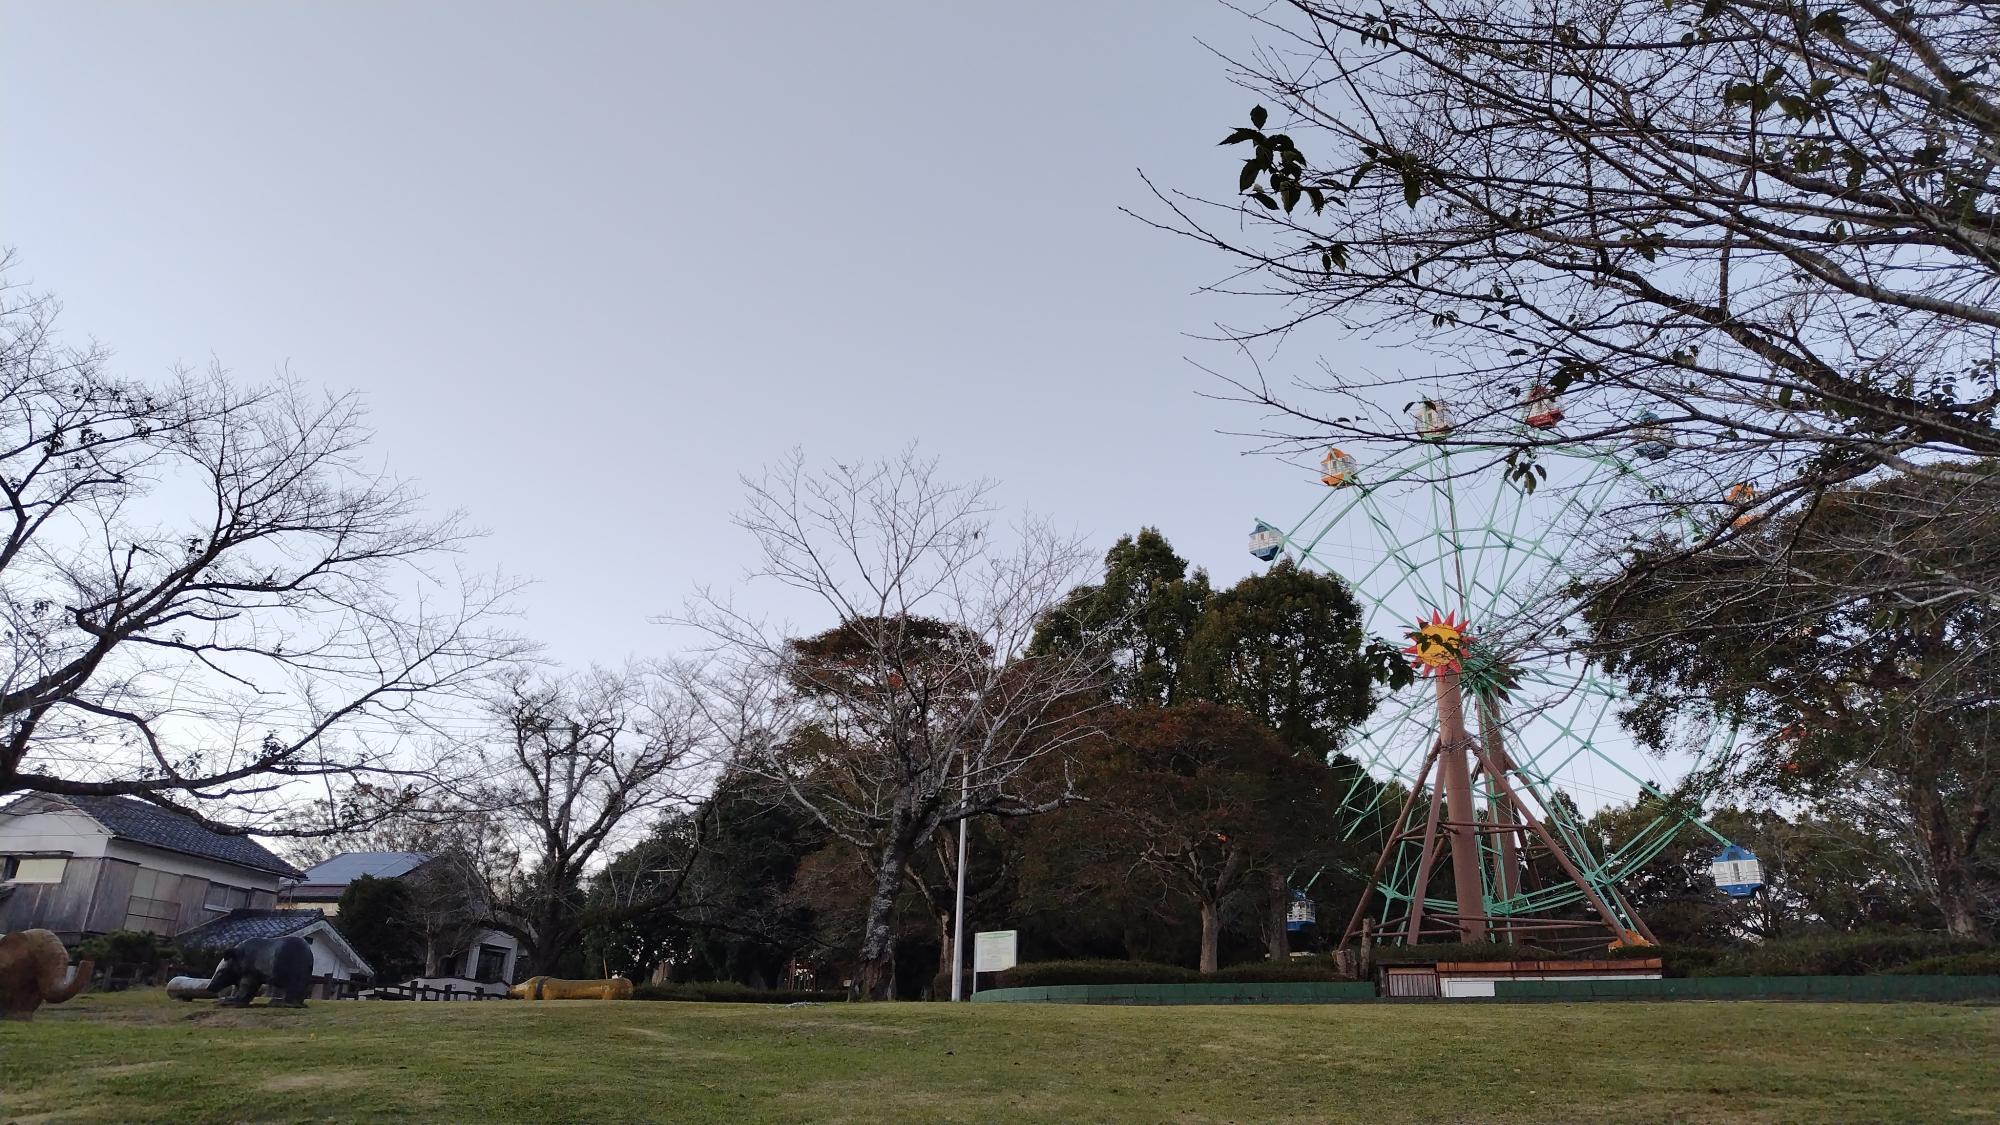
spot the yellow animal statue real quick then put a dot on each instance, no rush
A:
(31, 973)
(555, 988)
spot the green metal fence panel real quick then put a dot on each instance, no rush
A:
(1289, 992)
(1880, 988)
(1757, 988)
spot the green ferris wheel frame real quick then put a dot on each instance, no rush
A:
(1505, 559)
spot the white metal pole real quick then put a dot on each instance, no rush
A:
(958, 909)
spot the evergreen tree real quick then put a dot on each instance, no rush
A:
(378, 917)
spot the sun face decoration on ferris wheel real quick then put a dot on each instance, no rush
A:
(1503, 738)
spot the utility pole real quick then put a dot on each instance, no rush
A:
(958, 909)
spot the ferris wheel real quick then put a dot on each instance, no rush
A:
(1492, 756)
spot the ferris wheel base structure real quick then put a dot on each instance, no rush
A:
(1498, 850)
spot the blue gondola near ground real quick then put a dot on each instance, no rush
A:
(1303, 913)
(1737, 872)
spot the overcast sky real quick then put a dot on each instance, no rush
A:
(590, 262)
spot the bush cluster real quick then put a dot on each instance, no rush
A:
(1842, 955)
(1278, 972)
(135, 948)
(1984, 963)
(1042, 974)
(1675, 960)
(730, 992)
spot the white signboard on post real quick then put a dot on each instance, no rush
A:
(993, 950)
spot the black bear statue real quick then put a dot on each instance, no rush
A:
(285, 964)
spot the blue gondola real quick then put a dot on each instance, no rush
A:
(1302, 914)
(1737, 872)
(1649, 437)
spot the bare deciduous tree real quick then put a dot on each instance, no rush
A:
(469, 849)
(208, 591)
(1771, 225)
(919, 708)
(576, 767)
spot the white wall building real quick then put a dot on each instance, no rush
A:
(82, 866)
(484, 961)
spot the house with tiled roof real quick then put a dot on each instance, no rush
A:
(332, 956)
(83, 866)
(463, 957)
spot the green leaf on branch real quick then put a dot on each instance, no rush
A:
(1258, 116)
(1388, 664)
(1830, 23)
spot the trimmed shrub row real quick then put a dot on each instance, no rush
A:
(1840, 955)
(730, 992)
(1985, 963)
(1040, 974)
(1276, 972)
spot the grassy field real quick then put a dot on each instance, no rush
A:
(140, 1057)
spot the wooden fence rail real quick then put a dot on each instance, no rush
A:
(407, 991)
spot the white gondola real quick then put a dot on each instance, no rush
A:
(1266, 541)
(1433, 419)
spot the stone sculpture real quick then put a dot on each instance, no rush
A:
(31, 973)
(189, 988)
(555, 988)
(285, 963)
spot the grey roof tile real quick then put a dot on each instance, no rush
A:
(349, 866)
(242, 925)
(129, 818)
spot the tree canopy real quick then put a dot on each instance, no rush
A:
(1144, 612)
(1850, 692)
(1285, 646)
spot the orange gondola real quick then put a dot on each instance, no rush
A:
(1336, 469)
(1743, 494)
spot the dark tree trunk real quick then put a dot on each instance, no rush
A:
(875, 976)
(1211, 934)
(941, 980)
(1951, 866)
(1277, 940)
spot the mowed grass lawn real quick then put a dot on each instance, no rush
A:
(140, 1057)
